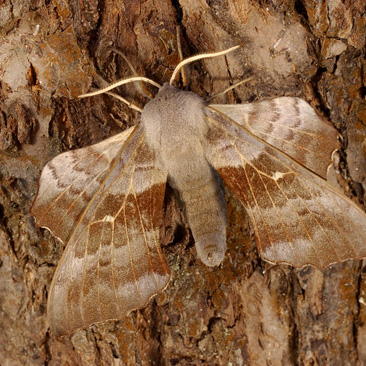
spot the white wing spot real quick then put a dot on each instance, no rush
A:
(108, 218)
(278, 175)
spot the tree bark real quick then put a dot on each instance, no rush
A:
(245, 312)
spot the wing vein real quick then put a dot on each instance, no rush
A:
(83, 275)
(254, 198)
(130, 251)
(98, 267)
(112, 268)
(145, 237)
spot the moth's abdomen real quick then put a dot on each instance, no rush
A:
(205, 210)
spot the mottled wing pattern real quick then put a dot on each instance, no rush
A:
(291, 125)
(298, 218)
(113, 262)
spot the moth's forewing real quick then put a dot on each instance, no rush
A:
(292, 126)
(298, 218)
(112, 262)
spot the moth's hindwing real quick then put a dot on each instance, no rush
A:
(106, 203)
(298, 218)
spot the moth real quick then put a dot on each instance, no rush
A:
(106, 201)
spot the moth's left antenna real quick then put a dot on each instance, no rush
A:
(118, 83)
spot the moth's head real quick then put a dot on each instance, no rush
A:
(170, 101)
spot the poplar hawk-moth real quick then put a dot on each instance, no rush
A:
(106, 201)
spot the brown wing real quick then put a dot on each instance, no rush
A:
(291, 125)
(298, 218)
(113, 262)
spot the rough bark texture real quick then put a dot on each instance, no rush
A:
(246, 312)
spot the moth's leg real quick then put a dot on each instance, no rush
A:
(220, 94)
(180, 52)
(129, 104)
(140, 86)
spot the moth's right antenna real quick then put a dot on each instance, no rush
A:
(199, 57)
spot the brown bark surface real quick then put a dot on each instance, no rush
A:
(246, 312)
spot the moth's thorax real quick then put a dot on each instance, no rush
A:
(175, 124)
